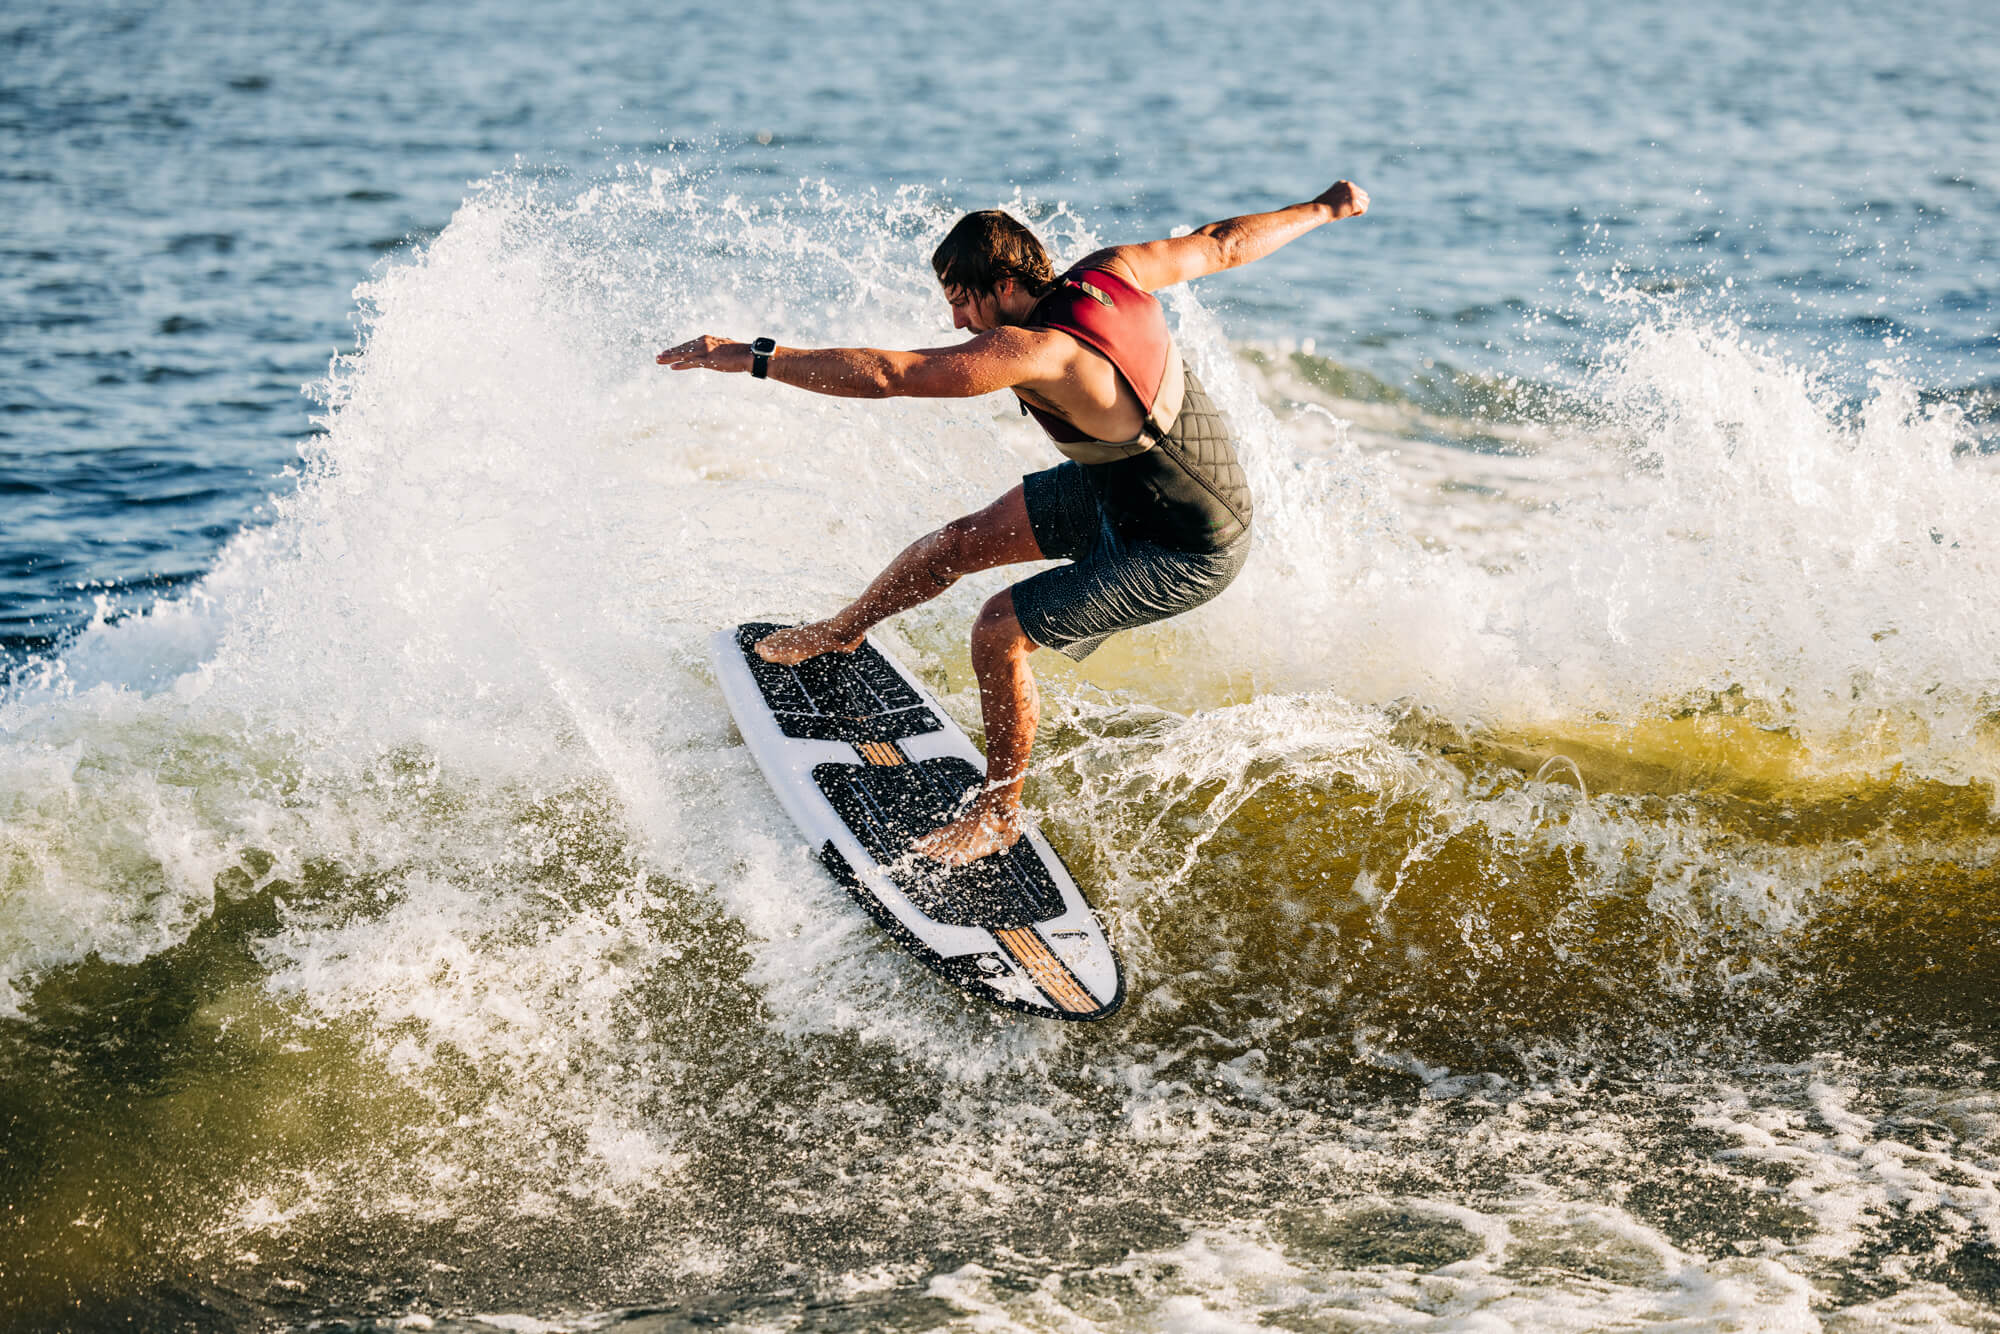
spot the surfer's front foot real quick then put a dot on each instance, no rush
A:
(978, 833)
(789, 648)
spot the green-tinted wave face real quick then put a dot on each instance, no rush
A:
(1458, 401)
(1556, 881)
(1373, 964)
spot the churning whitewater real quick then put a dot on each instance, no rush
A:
(394, 922)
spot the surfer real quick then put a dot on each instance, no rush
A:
(1150, 507)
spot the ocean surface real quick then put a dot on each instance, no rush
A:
(1559, 883)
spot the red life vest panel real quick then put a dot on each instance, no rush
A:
(1125, 323)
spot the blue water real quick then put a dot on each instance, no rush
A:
(393, 932)
(192, 194)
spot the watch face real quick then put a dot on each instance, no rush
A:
(764, 345)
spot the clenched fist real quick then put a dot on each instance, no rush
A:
(1346, 199)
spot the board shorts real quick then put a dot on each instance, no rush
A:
(1114, 581)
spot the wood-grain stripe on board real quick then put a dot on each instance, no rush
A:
(1047, 970)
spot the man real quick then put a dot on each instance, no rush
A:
(1151, 509)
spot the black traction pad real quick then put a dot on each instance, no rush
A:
(888, 806)
(852, 697)
(972, 972)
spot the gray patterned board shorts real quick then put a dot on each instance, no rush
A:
(1113, 582)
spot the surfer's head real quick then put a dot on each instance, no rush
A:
(984, 261)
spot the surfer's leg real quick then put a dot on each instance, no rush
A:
(1000, 534)
(1012, 709)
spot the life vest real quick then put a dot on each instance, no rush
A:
(1177, 482)
(1126, 324)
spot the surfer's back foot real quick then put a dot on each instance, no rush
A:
(789, 648)
(978, 833)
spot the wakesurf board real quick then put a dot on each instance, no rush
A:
(865, 761)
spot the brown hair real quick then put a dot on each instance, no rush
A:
(984, 247)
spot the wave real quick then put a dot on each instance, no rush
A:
(404, 881)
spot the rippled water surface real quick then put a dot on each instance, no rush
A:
(394, 933)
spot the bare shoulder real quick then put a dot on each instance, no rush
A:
(1151, 265)
(1038, 354)
(996, 359)
(1020, 343)
(1115, 258)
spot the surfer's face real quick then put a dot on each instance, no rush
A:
(977, 311)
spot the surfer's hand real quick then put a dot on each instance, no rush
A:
(707, 353)
(1345, 198)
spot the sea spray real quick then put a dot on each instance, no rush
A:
(460, 925)
(1721, 532)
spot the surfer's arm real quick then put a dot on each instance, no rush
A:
(998, 359)
(1230, 243)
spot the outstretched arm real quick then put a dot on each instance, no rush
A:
(998, 359)
(1233, 242)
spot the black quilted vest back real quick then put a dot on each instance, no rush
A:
(1188, 491)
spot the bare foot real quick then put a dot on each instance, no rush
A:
(789, 648)
(978, 833)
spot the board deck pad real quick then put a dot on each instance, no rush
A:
(892, 806)
(865, 762)
(837, 696)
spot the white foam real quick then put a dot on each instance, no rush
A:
(456, 695)
(1534, 1267)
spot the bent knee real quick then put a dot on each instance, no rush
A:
(997, 629)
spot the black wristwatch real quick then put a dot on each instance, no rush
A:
(760, 356)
